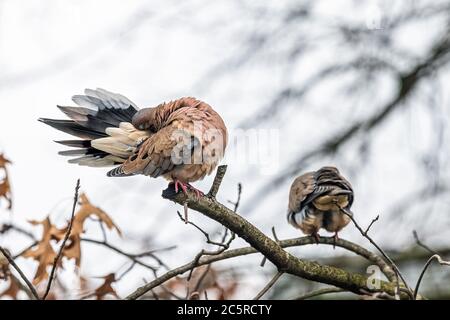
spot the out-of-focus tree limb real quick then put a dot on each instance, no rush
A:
(408, 81)
(413, 255)
(319, 292)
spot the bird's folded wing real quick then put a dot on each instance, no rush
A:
(330, 185)
(300, 189)
(154, 157)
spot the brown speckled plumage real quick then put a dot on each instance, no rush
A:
(315, 200)
(187, 119)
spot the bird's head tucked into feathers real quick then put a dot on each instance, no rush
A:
(145, 119)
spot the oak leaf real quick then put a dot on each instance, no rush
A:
(44, 253)
(12, 290)
(106, 288)
(73, 248)
(5, 186)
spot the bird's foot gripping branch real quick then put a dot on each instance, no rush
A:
(274, 251)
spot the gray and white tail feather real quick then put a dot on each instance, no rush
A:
(103, 122)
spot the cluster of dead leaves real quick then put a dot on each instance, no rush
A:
(203, 279)
(46, 249)
(44, 252)
(5, 187)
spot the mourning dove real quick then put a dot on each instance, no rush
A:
(317, 199)
(182, 140)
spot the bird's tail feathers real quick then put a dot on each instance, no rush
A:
(102, 120)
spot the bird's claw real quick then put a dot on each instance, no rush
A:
(185, 186)
(316, 237)
(336, 238)
(198, 193)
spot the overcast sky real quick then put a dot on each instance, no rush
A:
(155, 51)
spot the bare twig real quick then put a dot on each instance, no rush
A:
(421, 244)
(224, 244)
(264, 259)
(63, 244)
(22, 275)
(217, 181)
(155, 296)
(269, 285)
(132, 257)
(194, 296)
(319, 292)
(22, 286)
(7, 227)
(203, 252)
(236, 206)
(127, 270)
(170, 293)
(212, 194)
(102, 228)
(202, 277)
(434, 257)
(186, 213)
(370, 225)
(365, 235)
(206, 234)
(237, 202)
(25, 250)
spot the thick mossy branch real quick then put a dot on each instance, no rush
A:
(233, 253)
(283, 260)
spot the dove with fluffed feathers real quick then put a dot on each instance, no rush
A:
(317, 200)
(181, 140)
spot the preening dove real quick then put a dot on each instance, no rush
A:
(316, 200)
(182, 140)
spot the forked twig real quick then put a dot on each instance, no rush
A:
(366, 235)
(433, 257)
(269, 285)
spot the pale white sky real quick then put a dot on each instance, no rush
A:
(153, 51)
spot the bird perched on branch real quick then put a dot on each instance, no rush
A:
(317, 200)
(182, 140)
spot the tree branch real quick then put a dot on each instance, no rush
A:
(319, 292)
(408, 81)
(22, 275)
(217, 181)
(295, 242)
(284, 261)
(365, 235)
(434, 257)
(268, 285)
